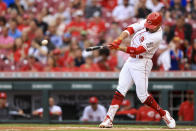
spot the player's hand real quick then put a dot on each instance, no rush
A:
(113, 46)
(117, 42)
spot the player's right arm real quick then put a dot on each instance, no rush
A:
(130, 30)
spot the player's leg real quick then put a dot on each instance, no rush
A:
(140, 78)
(124, 84)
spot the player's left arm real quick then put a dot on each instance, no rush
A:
(132, 50)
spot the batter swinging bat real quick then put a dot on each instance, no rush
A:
(96, 47)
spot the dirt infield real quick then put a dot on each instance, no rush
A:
(77, 128)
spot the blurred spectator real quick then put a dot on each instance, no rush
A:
(176, 54)
(3, 7)
(40, 23)
(8, 112)
(96, 28)
(154, 5)
(192, 55)
(47, 16)
(2, 23)
(13, 31)
(60, 25)
(23, 22)
(55, 39)
(89, 66)
(176, 5)
(109, 4)
(79, 60)
(19, 50)
(181, 29)
(142, 11)
(146, 113)
(186, 111)
(31, 30)
(92, 8)
(77, 25)
(93, 112)
(78, 4)
(123, 12)
(6, 42)
(127, 110)
(38, 51)
(103, 60)
(66, 40)
(54, 110)
(164, 59)
(113, 32)
(17, 6)
(31, 64)
(64, 13)
(51, 65)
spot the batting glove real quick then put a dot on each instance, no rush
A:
(113, 46)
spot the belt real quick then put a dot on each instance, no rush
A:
(136, 56)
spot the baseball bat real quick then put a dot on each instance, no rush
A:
(96, 47)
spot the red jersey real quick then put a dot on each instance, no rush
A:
(96, 28)
(146, 113)
(179, 33)
(109, 4)
(77, 25)
(186, 111)
(3, 7)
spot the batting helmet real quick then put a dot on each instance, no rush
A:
(153, 20)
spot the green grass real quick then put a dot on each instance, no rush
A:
(79, 127)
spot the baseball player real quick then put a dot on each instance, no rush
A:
(93, 112)
(145, 41)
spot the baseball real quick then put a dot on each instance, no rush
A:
(44, 42)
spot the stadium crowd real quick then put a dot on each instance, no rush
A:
(72, 25)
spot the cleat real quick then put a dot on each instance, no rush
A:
(170, 122)
(107, 123)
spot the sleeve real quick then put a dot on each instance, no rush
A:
(40, 110)
(58, 109)
(136, 27)
(85, 114)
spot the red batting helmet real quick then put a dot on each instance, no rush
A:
(93, 100)
(153, 20)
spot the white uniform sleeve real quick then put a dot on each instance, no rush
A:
(85, 114)
(40, 110)
(57, 109)
(138, 26)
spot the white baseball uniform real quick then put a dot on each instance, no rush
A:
(91, 115)
(137, 70)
